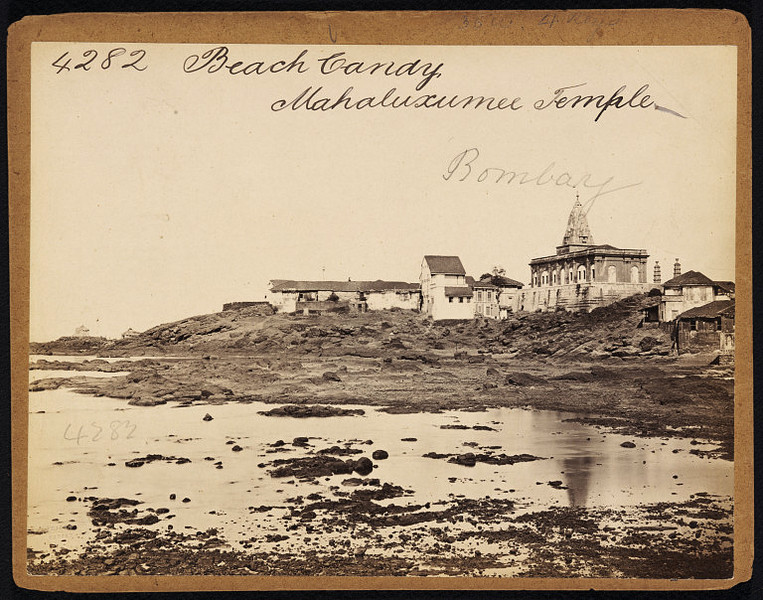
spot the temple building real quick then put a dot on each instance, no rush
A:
(583, 275)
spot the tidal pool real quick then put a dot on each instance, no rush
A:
(79, 444)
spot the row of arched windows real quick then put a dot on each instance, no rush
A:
(579, 275)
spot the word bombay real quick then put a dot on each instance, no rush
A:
(466, 165)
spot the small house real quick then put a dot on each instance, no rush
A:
(445, 293)
(706, 328)
(691, 290)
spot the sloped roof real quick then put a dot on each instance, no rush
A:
(708, 311)
(458, 291)
(450, 265)
(484, 283)
(502, 281)
(287, 285)
(497, 281)
(726, 286)
(689, 278)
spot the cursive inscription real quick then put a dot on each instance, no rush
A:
(218, 58)
(617, 100)
(464, 166)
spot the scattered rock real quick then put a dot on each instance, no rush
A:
(379, 454)
(467, 460)
(301, 411)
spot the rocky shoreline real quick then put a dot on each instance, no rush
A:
(597, 369)
(454, 537)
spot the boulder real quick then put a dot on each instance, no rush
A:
(379, 454)
(467, 460)
(363, 466)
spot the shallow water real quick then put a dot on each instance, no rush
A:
(73, 438)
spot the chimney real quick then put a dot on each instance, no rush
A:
(657, 274)
(676, 269)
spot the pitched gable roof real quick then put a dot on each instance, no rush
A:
(450, 265)
(689, 278)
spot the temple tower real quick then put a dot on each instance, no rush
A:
(577, 233)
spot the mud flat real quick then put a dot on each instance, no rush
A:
(457, 537)
(380, 444)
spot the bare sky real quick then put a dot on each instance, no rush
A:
(160, 194)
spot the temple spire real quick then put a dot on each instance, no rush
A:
(577, 231)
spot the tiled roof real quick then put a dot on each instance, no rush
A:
(450, 265)
(484, 283)
(501, 281)
(286, 285)
(689, 278)
(456, 291)
(708, 311)
(726, 286)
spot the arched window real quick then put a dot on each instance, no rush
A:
(634, 274)
(611, 274)
(544, 278)
(572, 277)
(581, 273)
(535, 280)
(593, 273)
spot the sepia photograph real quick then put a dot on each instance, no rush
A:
(387, 310)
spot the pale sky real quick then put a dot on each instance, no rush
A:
(160, 194)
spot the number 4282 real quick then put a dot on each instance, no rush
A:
(89, 59)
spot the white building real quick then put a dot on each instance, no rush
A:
(583, 275)
(691, 290)
(316, 296)
(445, 293)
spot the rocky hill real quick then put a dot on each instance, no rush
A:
(610, 331)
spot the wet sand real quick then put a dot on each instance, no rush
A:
(480, 512)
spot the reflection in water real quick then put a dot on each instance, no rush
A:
(577, 470)
(79, 443)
